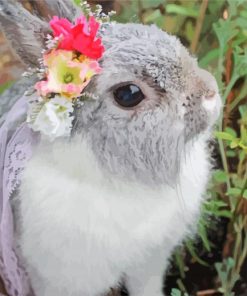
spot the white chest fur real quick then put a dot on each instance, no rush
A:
(81, 229)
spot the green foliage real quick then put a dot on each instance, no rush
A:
(224, 270)
(176, 292)
(217, 32)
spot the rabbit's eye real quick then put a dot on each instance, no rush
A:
(128, 95)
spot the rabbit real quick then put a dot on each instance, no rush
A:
(109, 205)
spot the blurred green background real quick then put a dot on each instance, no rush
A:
(214, 263)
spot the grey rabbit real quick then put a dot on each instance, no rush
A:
(110, 204)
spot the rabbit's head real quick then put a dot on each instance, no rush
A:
(152, 102)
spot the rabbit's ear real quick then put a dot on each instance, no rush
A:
(61, 8)
(24, 31)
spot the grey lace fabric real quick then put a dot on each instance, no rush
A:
(16, 143)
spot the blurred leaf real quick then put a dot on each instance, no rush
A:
(235, 143)
(240, 97)
(180, 262)
(189, 30)
(192, 251)
(224, 136)
(77, 2)
(202, 231)
(241, 22)
(245, 194)
(151, 3)
(234, 192)
(236, 180)
(240, 64)
(233, 5)
(210, 56)
(154, 17)
(176, 292)
(220, 176)
(225, 31)
(181, 10)
(231, 131)
(214, 6)
(243, 13)
(243, 111)
(129, 12)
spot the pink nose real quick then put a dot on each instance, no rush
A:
(211, 94)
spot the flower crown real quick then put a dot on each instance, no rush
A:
(67, 66)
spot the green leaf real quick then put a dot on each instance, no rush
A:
(176, 292)
(77, 2)
(154, 17)
(215, 6)
(231, 131)
(224, 136)
(243, 110)
(232, 7)
(151, 3)
(240, 64)
(237, 180)
(234, 192)
(223, 213)
(189, 30)
(180, 262)
(204, 237)
(193, 253)
(240, 96)
(209, 57)
(220, 176)
(241, 22)
(225, 31)
(182, 10)
(234, 143)
(243, 132)
(245, 194)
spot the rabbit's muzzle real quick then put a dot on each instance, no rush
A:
(202, 104)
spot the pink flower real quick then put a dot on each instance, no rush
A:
(80, 37)
(65, 74)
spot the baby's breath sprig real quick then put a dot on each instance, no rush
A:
(87, 96)
(30, 72)
(51, 42)
(97, 12)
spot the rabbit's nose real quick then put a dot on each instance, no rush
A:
(210, 95)
(211, 101)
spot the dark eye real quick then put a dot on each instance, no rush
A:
(128, 95)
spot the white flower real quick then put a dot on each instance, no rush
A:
(52, 118)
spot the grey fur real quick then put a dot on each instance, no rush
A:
(145, 142)
(62, 8)
(24, 31)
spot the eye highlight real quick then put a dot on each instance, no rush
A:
(128, 95)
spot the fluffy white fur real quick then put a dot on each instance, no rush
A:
(82, 232)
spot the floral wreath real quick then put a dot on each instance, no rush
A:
(67, 65)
